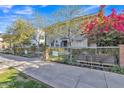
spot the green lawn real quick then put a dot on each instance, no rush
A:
(11, 78)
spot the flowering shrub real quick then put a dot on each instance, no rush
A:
(108, 30)
(104, 23)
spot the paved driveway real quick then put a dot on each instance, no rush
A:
(64, 76)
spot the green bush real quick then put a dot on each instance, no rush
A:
(118, 70)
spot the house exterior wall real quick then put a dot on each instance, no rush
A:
(80, 44)
(39, 37)
(60, 30)
(57, 42)
(92, 45)
(74, 44)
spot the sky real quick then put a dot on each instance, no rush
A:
(9, 13)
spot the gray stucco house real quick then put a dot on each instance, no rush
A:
(57, 34)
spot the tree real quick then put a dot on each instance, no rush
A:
(39, 23)
(8, 39)
(107, 30)
(19, 33)
(110, 39)
(67, 13)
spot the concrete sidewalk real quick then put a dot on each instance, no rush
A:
(66, 76)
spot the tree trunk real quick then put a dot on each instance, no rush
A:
(69, 49)
(38, 48)
(45, 49)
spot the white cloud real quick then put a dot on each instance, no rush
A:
(26, 10)
(6, 8)
(8, 17)
(86, 10)
(1, 31)
(44, 5)
(91, 8)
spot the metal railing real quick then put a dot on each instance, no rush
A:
(91, 54)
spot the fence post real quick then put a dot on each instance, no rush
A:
(47, 54)
(121, 50)
(70, 55)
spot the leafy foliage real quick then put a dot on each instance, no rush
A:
(19, 32)
(108, 30)
(117, 69)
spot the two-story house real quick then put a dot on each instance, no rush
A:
(57, 34)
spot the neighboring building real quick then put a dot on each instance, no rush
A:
(39, 37)
(2, 46)
(78, 41)
(1, 43)
(57, 34)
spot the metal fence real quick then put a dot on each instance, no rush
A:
(106, 55)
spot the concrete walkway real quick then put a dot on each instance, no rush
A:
(64, 76)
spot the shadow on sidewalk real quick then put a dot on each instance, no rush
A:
(19, 58)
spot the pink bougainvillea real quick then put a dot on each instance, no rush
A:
(104, 23)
